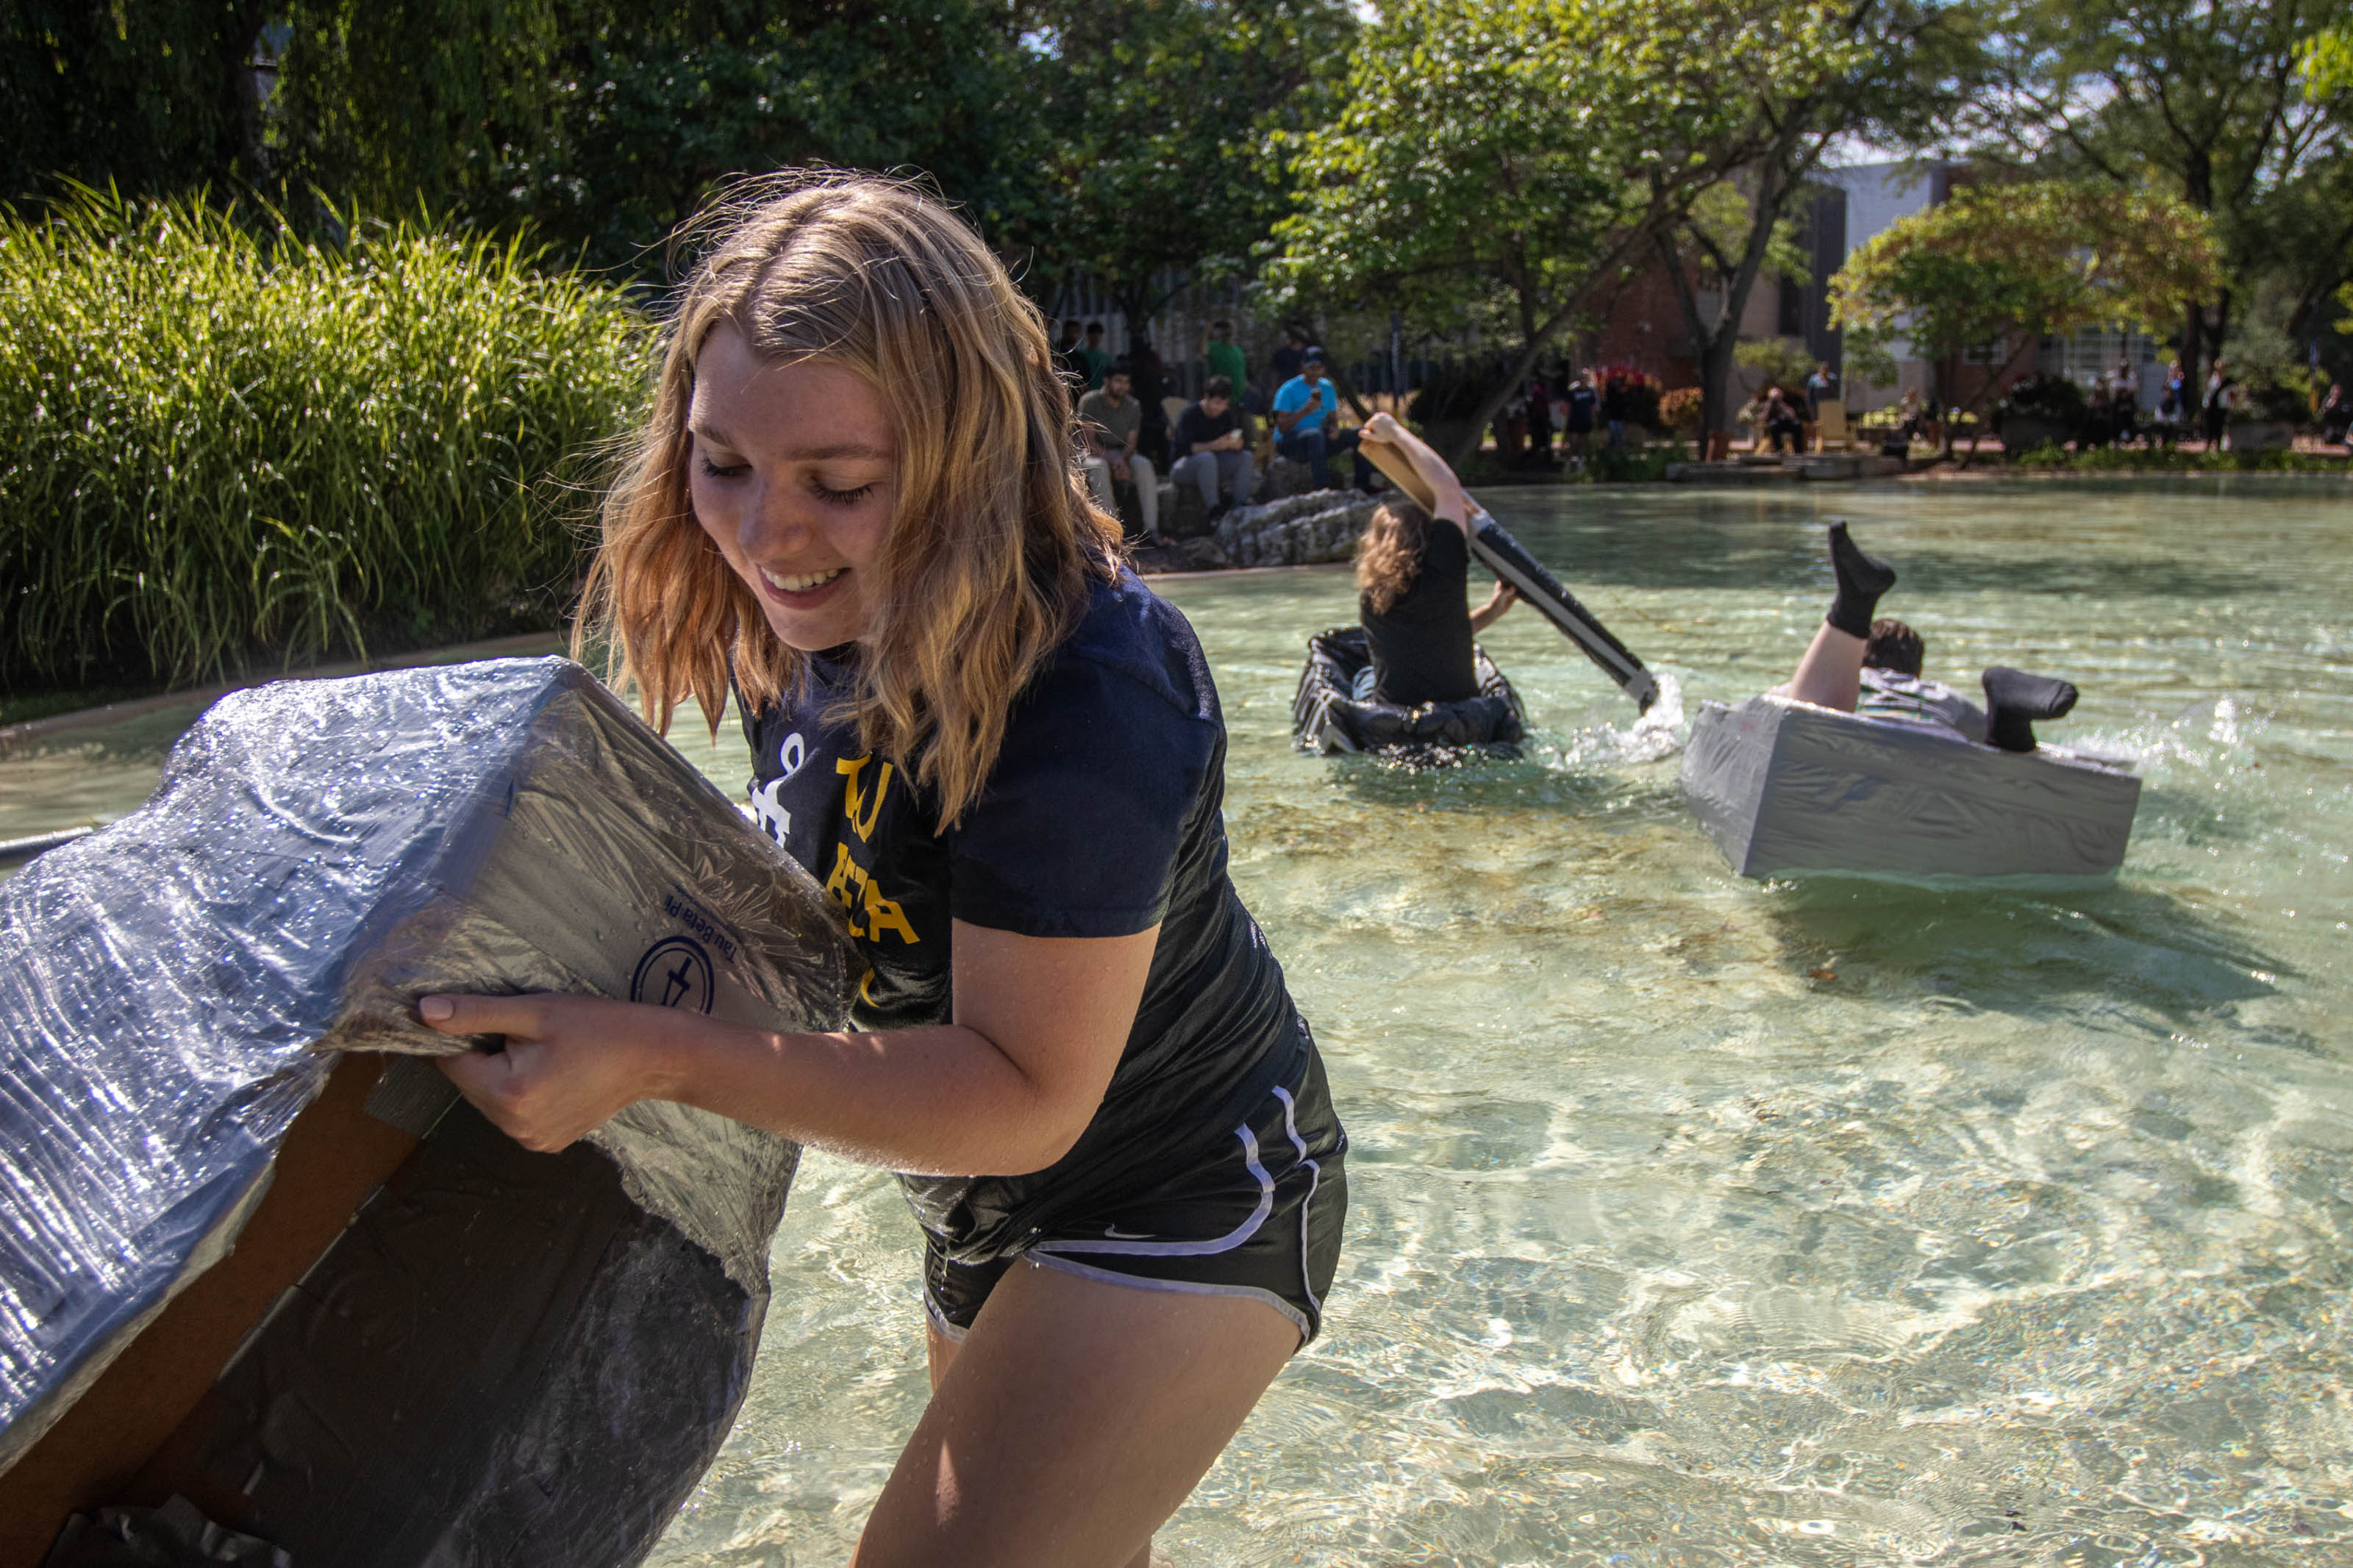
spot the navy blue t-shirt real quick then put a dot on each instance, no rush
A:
(1101, 818)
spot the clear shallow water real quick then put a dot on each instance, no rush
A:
(1696, 1221)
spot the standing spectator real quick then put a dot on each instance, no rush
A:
(1821, 387)
(1584, 406)
(1304, 408)
(1149, 377)
(1098, 362)
(1070, 357)
(1539, 422)
(2335, 416)
(1211, 451)
(1224, 356)
(1290, 356)
(2172, 403)
(2220, 387)
(1616, 404)
(2124, 403)
(1111, 422)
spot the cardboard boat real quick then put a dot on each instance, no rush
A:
(269, 1292)
(1786, 788)
(1328, 718)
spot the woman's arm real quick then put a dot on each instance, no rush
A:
(1487, 615)
(1004, 1089)
(1448, 502)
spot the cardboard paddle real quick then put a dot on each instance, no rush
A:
(1502, 555)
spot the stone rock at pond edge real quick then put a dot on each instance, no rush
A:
(1296, 531)
(1181, 555)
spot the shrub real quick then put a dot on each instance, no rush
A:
(2053, 399)
(2276, 401)
(1679, 410)
(219, 444)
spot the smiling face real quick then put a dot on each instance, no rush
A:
(794, 474)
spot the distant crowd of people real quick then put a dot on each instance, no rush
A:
(1130, 439)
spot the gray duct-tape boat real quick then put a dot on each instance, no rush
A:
(269, 1292)
(1786, 788)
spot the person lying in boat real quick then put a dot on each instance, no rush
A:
(854, 501)
(1412, 576)
(1861, 664)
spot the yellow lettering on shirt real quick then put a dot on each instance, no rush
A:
(882, 915)
(862, 815)
(847, 885)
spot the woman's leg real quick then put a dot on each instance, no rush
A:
(1075, 1417)
(1830, 674)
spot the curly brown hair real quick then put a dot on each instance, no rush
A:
(1388, 557)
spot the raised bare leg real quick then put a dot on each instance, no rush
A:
(1831, 673)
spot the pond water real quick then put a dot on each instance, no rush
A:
(1696, 1221)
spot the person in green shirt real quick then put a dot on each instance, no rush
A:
(1098, 362)
(1225, 356)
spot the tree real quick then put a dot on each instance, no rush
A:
(1504, 163)
(1889, 72)
(604, 124)
(1154, 115)
(2203, 100)
(149, 98)
(1999, 261)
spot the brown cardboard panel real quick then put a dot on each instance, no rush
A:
(334, 1155)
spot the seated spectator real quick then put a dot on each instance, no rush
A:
(1212, 452)
(1861, 664)
(1111, 422)
(1780, 420)
(1305, 409)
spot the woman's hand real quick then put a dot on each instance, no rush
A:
(1502, 599)
(1379, 428)
(570, 1063)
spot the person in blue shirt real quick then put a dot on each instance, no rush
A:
(854, 501)
(1305, 407)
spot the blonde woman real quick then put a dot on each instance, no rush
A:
(857, 499)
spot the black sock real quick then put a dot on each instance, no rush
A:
(1860, 580)
(2014, 700)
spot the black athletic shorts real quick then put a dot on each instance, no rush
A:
(1260, 1216)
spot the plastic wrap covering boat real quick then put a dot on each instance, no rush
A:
(1786, 788)
(1328, 717)
(255, 1256)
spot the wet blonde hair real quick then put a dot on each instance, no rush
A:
(990, 549)
(1389, 556)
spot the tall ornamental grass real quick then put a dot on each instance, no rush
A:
(221, 445)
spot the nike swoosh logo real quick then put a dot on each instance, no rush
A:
(1113, 1232)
